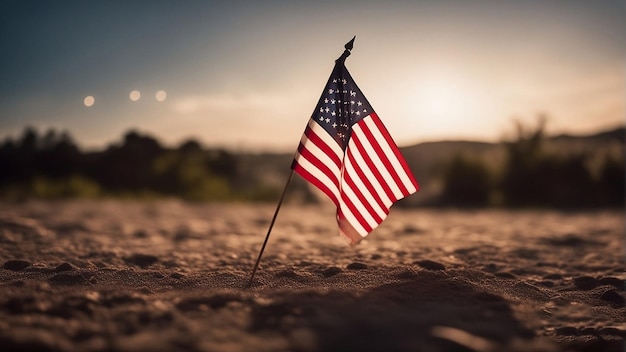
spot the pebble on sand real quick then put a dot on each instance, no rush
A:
(356, 266)
(16, 264)
(176, 275)
(64, 267)
(142, 260)
(585, 282)
(612, 297)
(613, 281)
(331, 271)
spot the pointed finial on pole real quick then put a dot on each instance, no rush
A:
(349, 45)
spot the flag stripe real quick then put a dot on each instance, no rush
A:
(368, 202)
(391, 161)
(353, 171)
(371, 168)
(385, 134)
(382, 155)
(347, 230)
(316, 177)
(358, 208)
(316, 134)
(312, 158)
(360, 167)
(345, 212)
(377, 159)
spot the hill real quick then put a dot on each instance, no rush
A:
(50, 165)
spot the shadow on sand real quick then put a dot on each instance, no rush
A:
(392, 317)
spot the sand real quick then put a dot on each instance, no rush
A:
(166, 276)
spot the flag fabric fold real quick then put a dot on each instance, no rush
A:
(349, 155)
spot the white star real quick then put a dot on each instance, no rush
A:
(327, 109)
(359, 103)
(334, 81)
(352, 102)
(321, 118)
(352, 93)
(330, 91)
(332, 101)
(326, 100)
(333, 113)
(334, 125)
(321, 109)
(327, 120)
(358, 113)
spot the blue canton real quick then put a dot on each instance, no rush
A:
(342, 105)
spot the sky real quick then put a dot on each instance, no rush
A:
(247, 75)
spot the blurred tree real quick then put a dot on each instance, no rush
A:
(224, 164)
(612, 182)
(129, 166)
(532, 177)
(466, 182)
(58, 157)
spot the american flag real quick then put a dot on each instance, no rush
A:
(348, 154)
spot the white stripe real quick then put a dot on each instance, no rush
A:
(371, 152)
(351, 219)
(349, 169)
(359, 206)
(324, 136)
(321, 155)
(378, 135)
(358, 160)
(317, 173)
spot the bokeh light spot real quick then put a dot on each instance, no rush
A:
(89, 100)
(135, 95)
(161, 95)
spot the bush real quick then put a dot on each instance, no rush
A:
(466, 182)
(75, 186)
(612, 187)
(532, 177)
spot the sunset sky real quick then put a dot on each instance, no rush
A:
(247, 74)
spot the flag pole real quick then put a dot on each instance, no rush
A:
(258, 260)
(348, 48)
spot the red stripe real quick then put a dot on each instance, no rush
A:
(315, 139)
(383, 157)
(313, 159)
(355, 212)
(394, 147)
(371, 166)
(366, 181)
(348, 180)
(317, 183)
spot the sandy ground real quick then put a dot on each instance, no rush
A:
(165, 276)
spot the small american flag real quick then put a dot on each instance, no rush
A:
(348, 154)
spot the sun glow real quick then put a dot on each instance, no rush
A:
(448, 102)
(444, 98)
